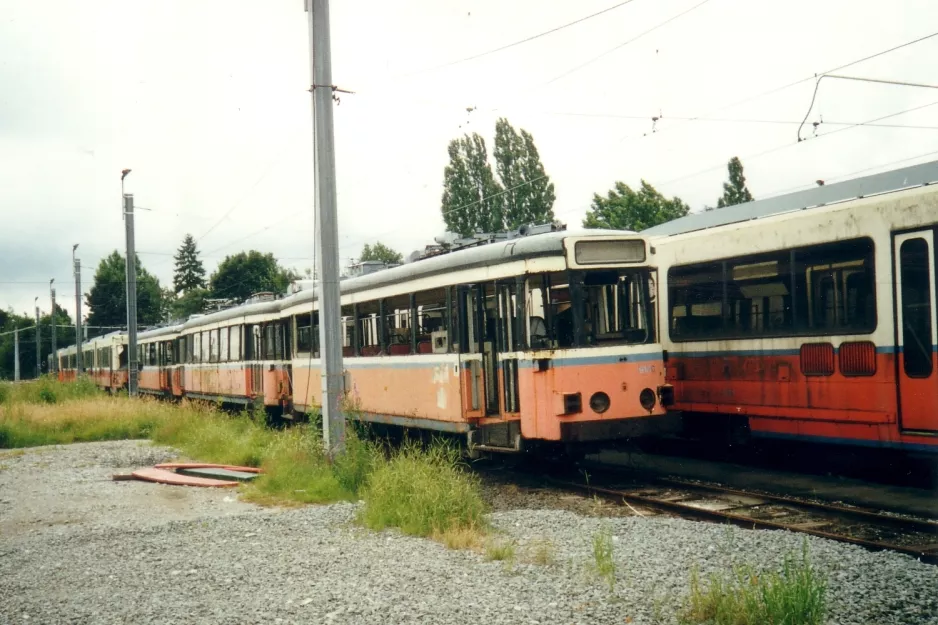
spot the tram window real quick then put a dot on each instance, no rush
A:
(536, 313)
(304, 333)
(560, 305)
(916, 308)
(829, 289)
(268, 345)
(615, 309)
(431, 318)
(696, 300)
(399, 324)
(223, 345)
(234, 343)
(368, 337)
(213, 346)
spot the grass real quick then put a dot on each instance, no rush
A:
(500, 550)
(422, 490)
(603, 556)
(795, 596)
(542, 552)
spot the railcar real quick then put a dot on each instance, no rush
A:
(808, 320)
(546, 338)
(104, 361)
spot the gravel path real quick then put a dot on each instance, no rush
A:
(76, 547)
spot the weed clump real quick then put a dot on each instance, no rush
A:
(423, 491)
(603, 556)
(796, 596)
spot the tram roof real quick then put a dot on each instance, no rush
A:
(875, 184)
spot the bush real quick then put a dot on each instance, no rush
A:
(796, 596)
(603, 556)
(424, 492)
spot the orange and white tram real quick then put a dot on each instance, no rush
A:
(545, 337)
(803, 319)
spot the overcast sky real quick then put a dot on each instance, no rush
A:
(207, 102)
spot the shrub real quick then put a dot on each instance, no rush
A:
(603, 555)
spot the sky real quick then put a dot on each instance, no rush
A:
(207, 102)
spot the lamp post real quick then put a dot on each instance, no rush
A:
(38, 351)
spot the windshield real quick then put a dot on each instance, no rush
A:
(583, 308)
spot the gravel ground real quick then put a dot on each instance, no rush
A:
(76, 547)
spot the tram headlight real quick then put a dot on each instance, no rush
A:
(599, 402)
(647, 399)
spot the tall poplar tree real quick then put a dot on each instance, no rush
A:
(735, 190)
(472, 198)
(529, 193)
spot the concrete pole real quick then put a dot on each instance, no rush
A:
(55, 357)
(16, 354)
(78, 355)
(330, 330)
(131, 266)
(38, 344)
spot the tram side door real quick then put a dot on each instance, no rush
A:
(917, 373)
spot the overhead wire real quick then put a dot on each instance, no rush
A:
(625, 43)
(520, 41)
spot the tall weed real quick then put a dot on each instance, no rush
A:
(796, 596)
(423, 491)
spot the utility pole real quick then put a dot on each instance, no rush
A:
(55, 357)
(38, 349)
(131, 265)
(330, 331)
(76, 263)
(16, 354)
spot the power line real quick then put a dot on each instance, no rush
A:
(625, 43)
(788, 144)
(806, 79)
(521, 41)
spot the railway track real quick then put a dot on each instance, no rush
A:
(873, 530)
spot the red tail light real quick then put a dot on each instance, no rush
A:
(858, 358)
(817, 359)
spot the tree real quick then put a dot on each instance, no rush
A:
(625, 209)
(471, 196)
(192, 302)
(189, 272)
(529, 193)
(64, 335)
(240, 276)
(381, 252)
(734, 191)
(107, 300)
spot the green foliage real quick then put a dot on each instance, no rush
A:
(500, 550)
(65, 335)
(192, 302)
(625, 209)
(380, 252)
(529, 193)
(735, 190)
(188, 273)
(471, 196)
(107, 300)
(796, 596)
(603, 556)
(424, 492)
(240, 276)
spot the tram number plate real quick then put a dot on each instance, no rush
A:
(646, 369)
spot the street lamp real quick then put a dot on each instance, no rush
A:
(55, 357)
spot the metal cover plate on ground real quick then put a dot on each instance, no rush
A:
(217, 473)
(162, 476)
(205, 465)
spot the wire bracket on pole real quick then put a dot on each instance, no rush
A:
(335, 89)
